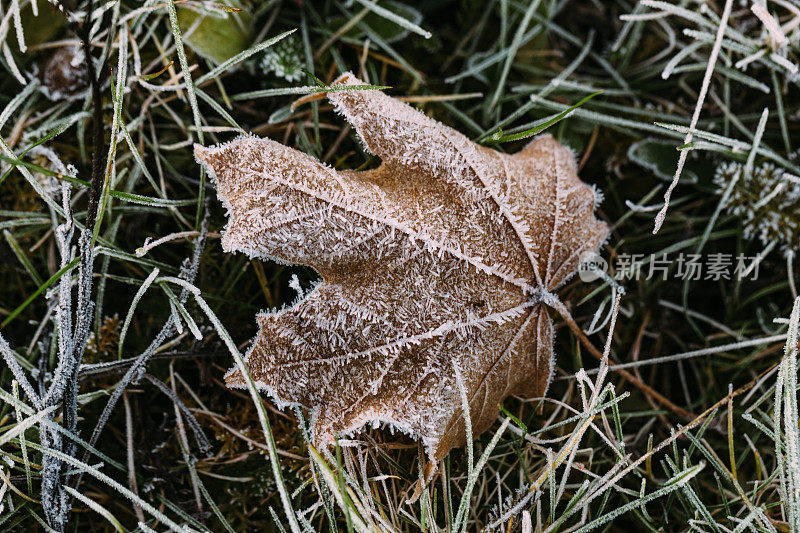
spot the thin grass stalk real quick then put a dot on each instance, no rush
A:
(785, 430)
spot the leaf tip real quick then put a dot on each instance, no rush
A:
(201, 153)
(234, 379)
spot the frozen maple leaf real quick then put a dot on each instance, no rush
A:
(443, 256)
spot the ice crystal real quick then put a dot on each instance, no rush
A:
(284, 60)
(767, 201)
(509, 509)
(101, 347)
(446, 252)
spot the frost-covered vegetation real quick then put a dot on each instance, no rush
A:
(673, 405)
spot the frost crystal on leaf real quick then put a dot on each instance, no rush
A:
(284, 60)
(445, 252)
(767, 201)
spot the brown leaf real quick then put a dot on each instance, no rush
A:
(444, 255)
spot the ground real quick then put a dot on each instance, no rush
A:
(696, 429)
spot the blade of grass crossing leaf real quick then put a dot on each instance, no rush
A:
(323, 487)
(463, 506)
(465, 411)
(469, 440)
(498, 137)
(306, 89)
(346, 502)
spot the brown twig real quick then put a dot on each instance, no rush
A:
(83, 31)
(597, 354)
(131, 465)
(589, 148)
(634, 356)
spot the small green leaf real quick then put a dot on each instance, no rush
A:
(39, 28)
(217, 34)
(148, 77)
(514, 419)
(659, 157)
